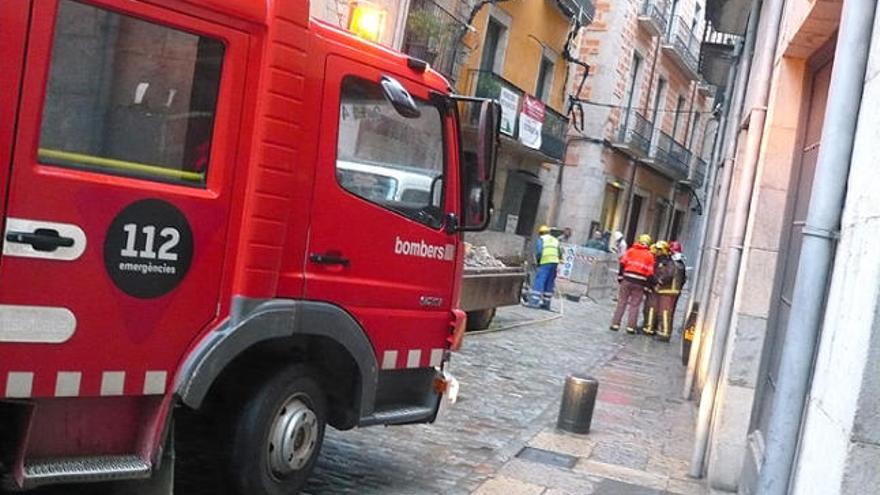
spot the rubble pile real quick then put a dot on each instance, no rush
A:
(479, 257)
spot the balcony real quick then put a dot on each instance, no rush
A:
(487, 84)
(671, 158)
(634, 136)
(653, 16)
(708, 89)
(717, 55)
(553, 134)
(698, 173)
(729, 16)
(430, 35)
(682, 46)
(583, 9)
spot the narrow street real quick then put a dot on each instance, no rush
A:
(511, 385)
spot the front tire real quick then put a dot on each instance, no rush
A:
(278, 433)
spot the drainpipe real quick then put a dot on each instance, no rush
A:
(703, 291)
(759, 82)
(711, 172)
(817, 251)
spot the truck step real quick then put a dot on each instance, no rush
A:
(39, 472)
(398, 416)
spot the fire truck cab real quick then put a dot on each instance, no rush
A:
(184, 233)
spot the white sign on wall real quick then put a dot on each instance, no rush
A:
(509, 105)
(531, 120)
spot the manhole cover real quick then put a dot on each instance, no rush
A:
(547, 457)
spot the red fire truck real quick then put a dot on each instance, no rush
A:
(179, 233)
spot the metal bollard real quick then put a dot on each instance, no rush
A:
(578, 401)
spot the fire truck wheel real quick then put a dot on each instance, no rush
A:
(278, 433)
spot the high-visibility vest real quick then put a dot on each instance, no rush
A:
(549, 250)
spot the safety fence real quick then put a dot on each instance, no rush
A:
(595, 270)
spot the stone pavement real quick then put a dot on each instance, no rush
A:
(639, 443)
(511, 385)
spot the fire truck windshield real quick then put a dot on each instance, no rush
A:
(389, 159)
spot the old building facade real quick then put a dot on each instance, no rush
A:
(638, 162)
(787, 361)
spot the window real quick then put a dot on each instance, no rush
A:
(129, 97)
(658, 98)
(376, 156)
(660, 213)
(545, 79)
(679, 110)
(631, 98)
(609, 207)
(491, 45)
(694, 129)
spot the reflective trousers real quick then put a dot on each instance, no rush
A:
(543, 286)
(665, 313)
(649, 313)
(629, 298)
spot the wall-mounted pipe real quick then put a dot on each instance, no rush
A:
(817, 251)
(710, 249)
(758, 96)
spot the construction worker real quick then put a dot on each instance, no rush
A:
(636, 269)
(671, 277)
(547, 256)
(649, 312)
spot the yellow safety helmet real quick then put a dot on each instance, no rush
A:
(662, 247)
(543, 229)
(645, 239)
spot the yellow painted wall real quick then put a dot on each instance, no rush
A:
(531, 21)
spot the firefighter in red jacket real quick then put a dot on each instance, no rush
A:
(671, 276)
(636, 269)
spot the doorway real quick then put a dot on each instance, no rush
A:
(632, 223)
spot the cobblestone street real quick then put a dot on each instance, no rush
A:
(511, 386)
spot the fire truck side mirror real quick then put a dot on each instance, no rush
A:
(399, 98)
(480, 126)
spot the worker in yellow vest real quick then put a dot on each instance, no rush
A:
(547, 256)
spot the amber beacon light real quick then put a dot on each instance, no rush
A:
(367, 20)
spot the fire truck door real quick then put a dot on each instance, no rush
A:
(119, 195)
(13, 31)
(377, 245)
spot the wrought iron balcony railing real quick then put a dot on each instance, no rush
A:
(672, 155)
(430, 35)
(683, 46)
(653, 16)
(487, 84)
(635, 134)
(717, 55)
(584, 9)
(553, 134)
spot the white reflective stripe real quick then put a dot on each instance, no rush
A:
(67, 383)
(28, 251)
(19, 385)
(389, 360)
(154, 382)
(36, 324)
(413, 358)
(112, 382)
(436, 357)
